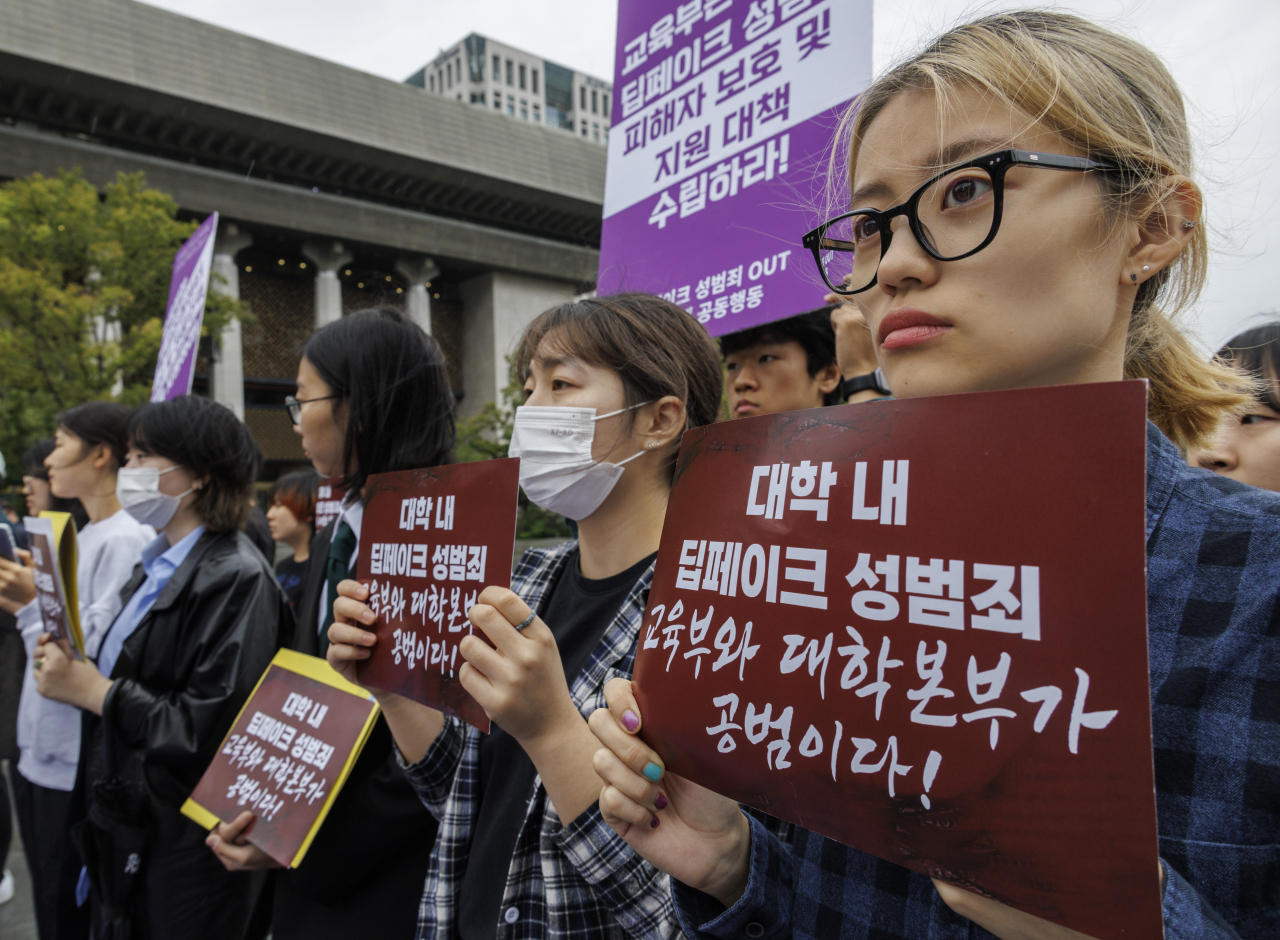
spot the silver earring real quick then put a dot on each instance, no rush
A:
(1189, 223)
(652, 445)
(1134, 278)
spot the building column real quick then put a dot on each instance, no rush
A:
(227, 368)
(496, 308)
(328, 257)
(419, 271)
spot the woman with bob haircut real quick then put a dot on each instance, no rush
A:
(202, 617)
(90, 447)
(1084, 133)
(1247, 446)
(373, 397)
(612, 384)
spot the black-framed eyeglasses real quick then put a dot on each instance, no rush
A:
(954, 215)
(295, 405)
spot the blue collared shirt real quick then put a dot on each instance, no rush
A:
(159, 561)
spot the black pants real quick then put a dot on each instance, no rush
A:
(6, 822)
(42, 820)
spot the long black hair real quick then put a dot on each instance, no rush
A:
(1257, 351)
(392, 378)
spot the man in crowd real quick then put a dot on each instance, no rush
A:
(806, 361)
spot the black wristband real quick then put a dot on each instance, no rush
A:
(860, 383)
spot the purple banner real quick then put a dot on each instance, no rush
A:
(724, 113)
(176, 364)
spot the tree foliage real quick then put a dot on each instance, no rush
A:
(487, 435)
(84, 280)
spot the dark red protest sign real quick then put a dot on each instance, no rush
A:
(287, 756)
(329, 496)
(432, 540)
(919, 627)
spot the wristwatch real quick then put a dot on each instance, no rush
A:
(860, 383)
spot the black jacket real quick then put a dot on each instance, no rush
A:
(363, 875)
(180, 681)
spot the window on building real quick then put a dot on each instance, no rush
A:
(537, 113)
(595, 132)
(559, 96)
(524, 74)
(510, 72)
(605, 103)
(595, 101)
(582, 99)
(535, 81)
(524, 110)
(606, 135)
(432, 81)
(497, 100)
(448, 73)
(497, 69)
(584, 128)
(511, 105)
(477, 97)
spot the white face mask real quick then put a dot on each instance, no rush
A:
(557, 471)
(138, 490)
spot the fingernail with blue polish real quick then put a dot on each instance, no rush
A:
(653, 771)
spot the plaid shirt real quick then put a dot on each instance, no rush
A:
(579, 880)
(1213, 578)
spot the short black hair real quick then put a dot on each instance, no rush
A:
(1257, 351)
(392, 377)
(100, 422)
(813, 331)
(211, 442)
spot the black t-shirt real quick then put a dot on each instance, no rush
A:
(579, 611)
(292, 576)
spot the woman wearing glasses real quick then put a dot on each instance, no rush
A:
(373, 396)
(1023, 203)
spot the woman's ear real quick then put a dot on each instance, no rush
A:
(102, 457)
(1164, 231)
(663, 423)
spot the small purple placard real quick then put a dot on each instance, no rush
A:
(176, 364)
(724, 113)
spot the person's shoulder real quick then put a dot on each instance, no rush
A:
(1230, 503)
(539, 562)
(229, 557)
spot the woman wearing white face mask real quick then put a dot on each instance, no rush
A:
(202, 617)
(613, 382)
(89, 448)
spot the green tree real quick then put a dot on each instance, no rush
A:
(486, 435)
(84, 280)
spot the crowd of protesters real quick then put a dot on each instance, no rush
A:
(561, 822)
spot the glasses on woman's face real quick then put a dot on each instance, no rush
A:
(954, 215)
(295, 405)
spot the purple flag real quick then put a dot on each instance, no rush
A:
(723, 116)
(176, 365)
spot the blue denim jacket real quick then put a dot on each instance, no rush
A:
(1213, 579)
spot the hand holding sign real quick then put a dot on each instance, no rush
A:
(698, 837)
(17, 582)
(431, 540)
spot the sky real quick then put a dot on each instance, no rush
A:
(1221, 53)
